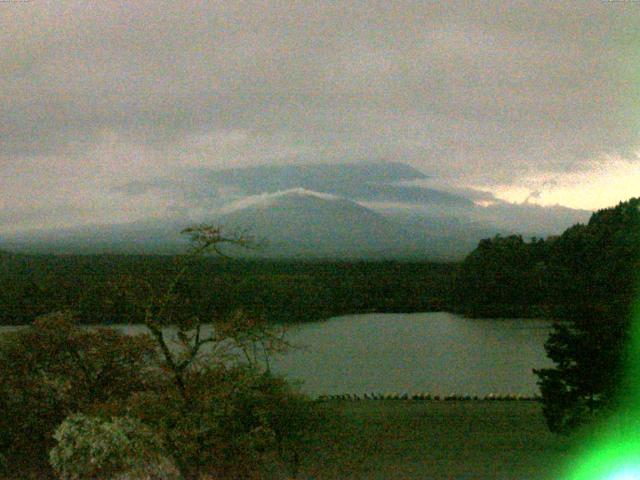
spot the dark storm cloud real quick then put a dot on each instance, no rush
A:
(472, 89)
(363, 181)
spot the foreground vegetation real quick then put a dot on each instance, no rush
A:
(430, 440)
(81, 404)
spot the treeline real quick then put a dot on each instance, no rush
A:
(589, 268)
(108, 289)
(587, 278)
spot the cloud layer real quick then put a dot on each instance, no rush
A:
(96, 94)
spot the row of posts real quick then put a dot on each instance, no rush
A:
(427, 397)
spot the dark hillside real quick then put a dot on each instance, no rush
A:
(588, 268)
(99, 288)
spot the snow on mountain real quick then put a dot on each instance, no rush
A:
(365, 210)
(265, 200)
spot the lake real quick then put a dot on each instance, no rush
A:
(437, 353)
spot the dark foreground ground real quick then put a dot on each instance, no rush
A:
(436, 440)
(428, 440)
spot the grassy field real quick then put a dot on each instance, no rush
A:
(428, 440)
(435, 440)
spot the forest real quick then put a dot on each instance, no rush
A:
(99, 288)
(585, 280)
(588, 268)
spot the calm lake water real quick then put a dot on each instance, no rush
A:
(437, 353)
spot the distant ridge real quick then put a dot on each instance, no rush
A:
(356, 181)
(266, 199)
(349, 210)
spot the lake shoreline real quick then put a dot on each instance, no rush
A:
(440, 354)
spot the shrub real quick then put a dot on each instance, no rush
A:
(55, 368)
(90, 447)
(235, 423)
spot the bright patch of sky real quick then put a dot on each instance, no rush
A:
(602, 185)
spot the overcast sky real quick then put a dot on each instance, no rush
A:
(531, 100)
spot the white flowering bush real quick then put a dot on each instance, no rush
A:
(120, 448)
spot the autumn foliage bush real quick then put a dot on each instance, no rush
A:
(236, 422)
(53, 369)
(74, 392)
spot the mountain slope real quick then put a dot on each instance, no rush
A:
(299, 223)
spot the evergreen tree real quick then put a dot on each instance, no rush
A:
(592, 273)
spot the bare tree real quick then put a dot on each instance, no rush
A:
(253, 337)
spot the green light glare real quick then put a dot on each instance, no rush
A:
(612, 450)
(614, 458)
(632, 473)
